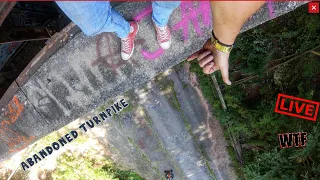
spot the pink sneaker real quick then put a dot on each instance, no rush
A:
(163, 36)
(127, 43)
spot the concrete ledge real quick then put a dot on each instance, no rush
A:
(87, 71)
(52, 45)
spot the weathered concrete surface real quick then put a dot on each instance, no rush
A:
(15, 132)
(88, 71)
(172, 127)
(204, 128)
(168, 125)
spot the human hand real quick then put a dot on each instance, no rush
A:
(211, 60)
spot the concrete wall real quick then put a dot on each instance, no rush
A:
(87, 71)
(165, 125)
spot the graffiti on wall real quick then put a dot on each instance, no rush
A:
(190, 13)
(14, 140)
(108, 60)
(108, 56)
(270, 9)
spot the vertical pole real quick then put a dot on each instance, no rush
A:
(216, 85)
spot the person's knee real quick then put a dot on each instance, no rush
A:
(96, 27)
(91, 17)
(168, 4)
(175, 4)
(97, 24)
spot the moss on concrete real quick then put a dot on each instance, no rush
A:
(161, 146)
(144, 156)
(148, 119)
(168, 85)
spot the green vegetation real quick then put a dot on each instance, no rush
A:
(87, 162)
(81, 159)
(85, 166)
(167, 86)
(270, 59)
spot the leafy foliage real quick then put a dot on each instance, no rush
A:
(81, 160)
(250, 117)
(85, 166)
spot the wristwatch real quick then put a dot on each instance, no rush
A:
(219, 45)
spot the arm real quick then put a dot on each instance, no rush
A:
(228, 18)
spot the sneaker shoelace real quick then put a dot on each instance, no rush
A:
(125, 45)
(163, 33)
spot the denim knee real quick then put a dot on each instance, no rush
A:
(91, 17)
(168, 4)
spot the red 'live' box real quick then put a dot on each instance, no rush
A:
(313, 7)
(297, 107)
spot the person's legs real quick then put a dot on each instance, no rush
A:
(160, 16)
(161, 11)
(97, 17)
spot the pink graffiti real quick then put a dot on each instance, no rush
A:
(148, 55)
(189, 13)
(107, 60)
(270, 9)
(152, 55)
(143, 13)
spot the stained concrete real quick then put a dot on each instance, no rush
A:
(88, 71)
(20, 125)
(167, 125)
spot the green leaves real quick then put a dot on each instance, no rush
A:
(83, 167)
(250, 117)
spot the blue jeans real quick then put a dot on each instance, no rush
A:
(97, 17)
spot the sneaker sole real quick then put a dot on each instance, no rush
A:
(133, 43)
